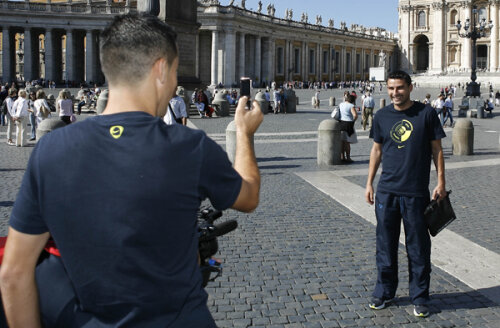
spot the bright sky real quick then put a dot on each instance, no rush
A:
(369, 13)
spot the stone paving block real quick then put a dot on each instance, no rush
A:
(242, 323)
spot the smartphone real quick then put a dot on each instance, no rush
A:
(245, 87)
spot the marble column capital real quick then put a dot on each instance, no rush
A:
(466, 4)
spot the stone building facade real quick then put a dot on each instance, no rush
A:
(58, 40)
(235, 42)
(429, 39)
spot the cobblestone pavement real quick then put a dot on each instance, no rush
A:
(304, 260)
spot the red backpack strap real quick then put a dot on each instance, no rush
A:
(3, 240)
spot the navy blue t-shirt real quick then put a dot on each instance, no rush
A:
(120, 194)
(406, 147)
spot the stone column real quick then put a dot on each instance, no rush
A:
(437, 37)
(230, 62)
(466, 42)
(49, 56)
(304, 61)
(343, 64)
(8, 59)
(215, 54)
(28, 55)
(272, 64)
(494, 38)
(258, 59)
(70, 56)
(242, 55)
(90, 54)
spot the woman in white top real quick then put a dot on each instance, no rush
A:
(348, 115)
(65, 107)
(20, 108)
(42, 109)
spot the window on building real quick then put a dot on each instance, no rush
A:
(482, 14)
(453, 55)
(348, 63)
(325, 62)
(358, 63)
(421, 19)
(337, 61)
(453, 17)
(281, 60)
(367, 62)
(297, 61)
(312, 62)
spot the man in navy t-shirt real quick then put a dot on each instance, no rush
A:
(407, 135)
(119, 194)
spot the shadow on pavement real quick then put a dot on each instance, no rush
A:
(281, 158)
(270, 167)
(10, 170)
(6, 204)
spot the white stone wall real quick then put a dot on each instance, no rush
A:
(448, 52)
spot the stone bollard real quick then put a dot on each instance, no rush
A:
(291, 101)
(264, 104)
(221, 104)
(332, 101)
(297, 98)
(463, 137)
(48, 125)
(231, 141)
(480, 111)
(382, 103)
(329, 142)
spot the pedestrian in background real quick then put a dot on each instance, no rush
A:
(32, 114)
(448, 110)
(65, 106)
(7, 104)
(20, 110)
(406, 135)
(367, 109)
(3, 110)
(348, 116)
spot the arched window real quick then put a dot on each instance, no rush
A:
(482, 14)
(453, 17)
(421, 19)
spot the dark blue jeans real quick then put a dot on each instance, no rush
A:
(389, 209)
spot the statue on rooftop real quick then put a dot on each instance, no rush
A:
(260, 7)
(243, 4)
(330, 23)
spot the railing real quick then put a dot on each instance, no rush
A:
(296, 24)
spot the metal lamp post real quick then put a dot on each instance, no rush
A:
(474, 30)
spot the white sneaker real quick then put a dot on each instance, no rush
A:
(10, 143)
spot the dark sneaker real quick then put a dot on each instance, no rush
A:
(421, 311)
(379, 303)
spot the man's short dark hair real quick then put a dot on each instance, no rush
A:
(400, 75)
(132, 44)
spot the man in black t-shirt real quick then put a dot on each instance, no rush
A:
(119, 194)
(408, 134)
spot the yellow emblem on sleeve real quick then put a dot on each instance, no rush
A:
(116, 131)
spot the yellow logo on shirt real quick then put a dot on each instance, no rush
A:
(401, 131)
(116, 131)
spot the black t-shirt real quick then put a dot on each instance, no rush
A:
(120, 194)
(406, 147)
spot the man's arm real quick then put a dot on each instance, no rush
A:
(17, 278)
(438, 158)
(375, 159)
(245, 163)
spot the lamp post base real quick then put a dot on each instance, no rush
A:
(473, 90)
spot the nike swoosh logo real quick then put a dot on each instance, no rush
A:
(399, 147)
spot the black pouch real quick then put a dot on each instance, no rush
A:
(439, 214)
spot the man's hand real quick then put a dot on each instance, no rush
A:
(369, 194)
(439, 193)
(248, 120)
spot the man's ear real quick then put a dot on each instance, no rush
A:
(160, 69)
